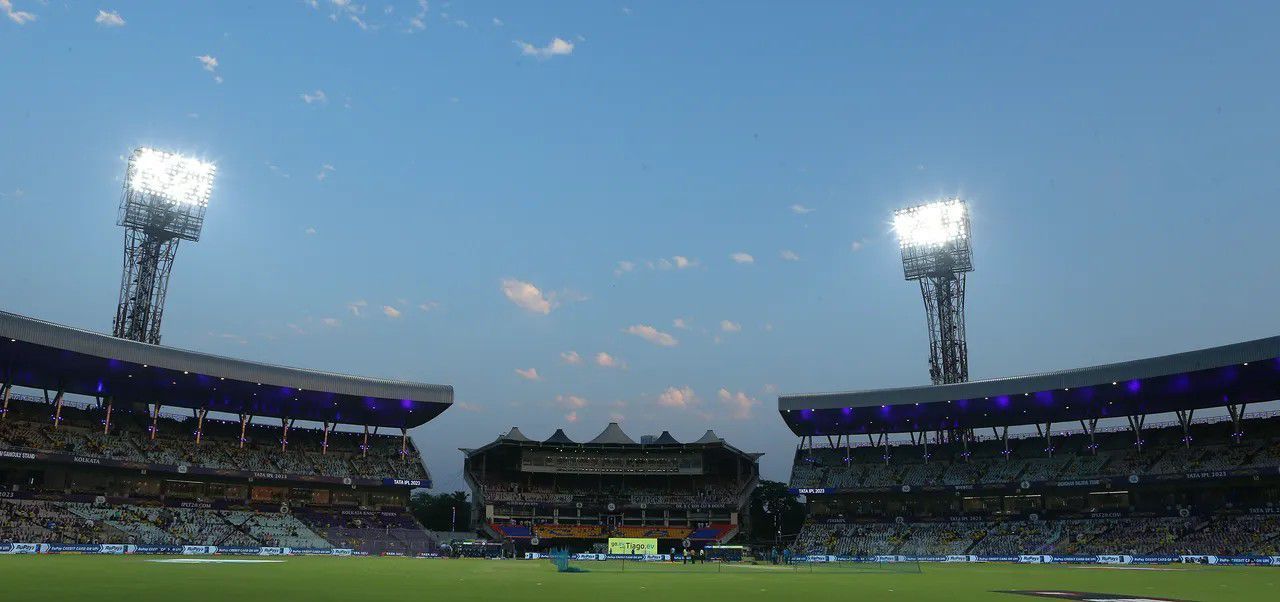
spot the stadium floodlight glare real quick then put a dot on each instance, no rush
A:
(932, 225)
(936, 251)
(164, 202)
(170, 176)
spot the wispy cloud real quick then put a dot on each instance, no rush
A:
(572, 401)
(325, 170)
(730, 326)
(109, 18)
(571, 357)
(310, 231)
(17, 16)
(556, 47)
(528, 373)
(857, 245)
(623, 267)
(526, 296)
(653, 335)
(680, 323)
(210, 64)
(789, 255)
(418, 21)
(604, 360)
(740, 404)
(390, 312)
(227, 336)
(498, 22)
(429, 305)
(678, 397)
(799, 209)
(315, 97)
(331, 322)
(571, 417)
(357, 307)
(467, 406)
(743, 258)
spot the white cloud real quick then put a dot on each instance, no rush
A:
(571, 417)
(623, 267)
(799, 209)
(309, 231)
(604, 360)
(683, 262)
(325, 170)
(17, 16)
(682, 398)
(331, 322)
(741, 257)
(526, 296)
(108, 18)
(789, 255)
(390, 312)
(498, 22)
(528, 373)
(728, 326)
(210, 63)
(217, 335)
(653, 335)
(556, 47)
(314, 97)
(418, 21)
(467, 406)
(680, 323)
(857, 245)
(572, 401)
(571, 357)
(356, 307)
(740, 404)
(616, 417)
(429, 305)
(770, 389)
(626, 11)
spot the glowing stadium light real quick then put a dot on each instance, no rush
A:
(170, 176)
(934, 240)
(932, 225)
(164, 201)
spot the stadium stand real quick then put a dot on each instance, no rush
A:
(87, 462)
(540, 494)
(1061, 463)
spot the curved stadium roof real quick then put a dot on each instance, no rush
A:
(1247, 372)
(44, 355)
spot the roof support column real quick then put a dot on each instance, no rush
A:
(965, 435)
(1003, 434)
(829, 443)
(1047, 433)
(57, 409)
(1090, 426)
(244, 422)
(106, 421)
(155, 420)
(884, 440)
(285, 423)
(200, 414)
(5, 391)
(364, 447)
(324, 445)
(1237, 414)
(1184, 418)
(404, 444)
(1135, 424)
(924, 441)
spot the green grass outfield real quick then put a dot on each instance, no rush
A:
(307, 579)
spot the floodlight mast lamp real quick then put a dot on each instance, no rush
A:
(936, 252)
(164, 200)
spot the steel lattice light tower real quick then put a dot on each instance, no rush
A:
(936, 252)
(164, 201)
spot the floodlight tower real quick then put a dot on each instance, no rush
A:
(164, 201)
(935, 251)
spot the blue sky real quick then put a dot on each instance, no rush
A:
(457, 194)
